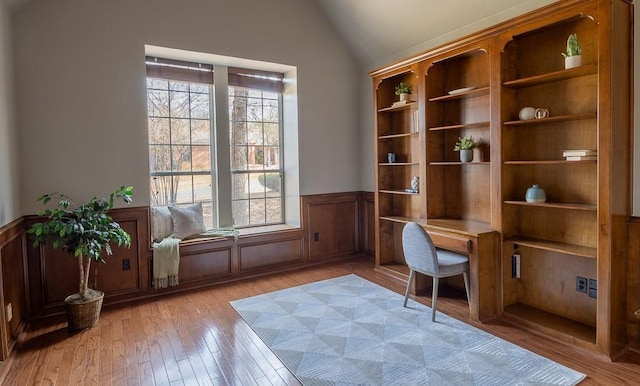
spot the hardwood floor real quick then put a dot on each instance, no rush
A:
(197, 338)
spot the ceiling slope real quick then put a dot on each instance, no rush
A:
(382, 31)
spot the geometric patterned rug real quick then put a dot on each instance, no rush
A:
(349, 331)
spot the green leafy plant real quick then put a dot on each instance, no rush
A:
(573, 47)
(404, 88)
(465, 143)
(84, 231)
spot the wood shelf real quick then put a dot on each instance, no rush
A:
(555, 246)
(552, 324)
(458, 163)
(461, 126)
(399, 164)
(400, 135)
(559, 118)
(479, 91)
(548, 162)
(558, 205)
(588, 69)
(398, 108)
(401, 192)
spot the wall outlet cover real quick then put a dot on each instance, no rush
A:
(581, 284)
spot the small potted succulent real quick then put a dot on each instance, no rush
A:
(85, 232)
(465, 146)
(403, 90)
(573, 55)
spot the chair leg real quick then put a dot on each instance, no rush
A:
(434, 298)
(412, 274)
(465, 275)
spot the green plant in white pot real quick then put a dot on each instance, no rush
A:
(403, 89)
(86, 232)
(573, 55)
(465, 146)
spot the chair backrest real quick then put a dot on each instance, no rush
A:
(419, 251)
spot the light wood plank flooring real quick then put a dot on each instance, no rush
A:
(196, 338)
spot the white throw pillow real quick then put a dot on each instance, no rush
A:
(187, 221)
(161, 223)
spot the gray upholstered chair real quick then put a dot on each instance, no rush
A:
(421, 256)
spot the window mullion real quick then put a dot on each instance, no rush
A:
(222, 137)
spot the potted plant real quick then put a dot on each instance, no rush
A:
(403, 90)
(573, 56)
(465, 146)
(85, 232)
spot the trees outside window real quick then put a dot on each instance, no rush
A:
(182, 140)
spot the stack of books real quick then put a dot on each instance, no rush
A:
(580, 155)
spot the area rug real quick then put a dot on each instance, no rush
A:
(349, 331)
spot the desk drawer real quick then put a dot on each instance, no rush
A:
(456, 244)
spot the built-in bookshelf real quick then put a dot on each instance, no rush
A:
(578, 150)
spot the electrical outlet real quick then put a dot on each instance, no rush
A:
(581, 284)
(126, 264)
(316, 236)
(593, 288)
(9, 312)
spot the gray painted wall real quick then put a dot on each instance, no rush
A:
(81, 101)
(9, 187)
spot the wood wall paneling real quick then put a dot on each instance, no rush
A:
(262, 255)
(332, 224)
(13, 285)
(339, 219)
(367, 224)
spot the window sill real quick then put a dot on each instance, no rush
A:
(267, 229)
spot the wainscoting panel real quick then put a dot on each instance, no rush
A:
(368, 224)
(633, 284)
(337, 218)
(201, 261)
(54, 273)
(263, 255)
(333, 224)
(13, 285)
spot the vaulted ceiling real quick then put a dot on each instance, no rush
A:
(380, 31)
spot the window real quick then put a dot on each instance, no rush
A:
(183, 140)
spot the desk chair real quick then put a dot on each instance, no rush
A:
(422, 256)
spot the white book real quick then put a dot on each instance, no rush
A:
(582, 158)
(579, 152)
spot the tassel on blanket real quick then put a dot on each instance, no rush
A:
(166, 260)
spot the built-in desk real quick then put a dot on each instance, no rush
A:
(475, 239)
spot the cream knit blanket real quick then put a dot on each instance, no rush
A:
(166, 260)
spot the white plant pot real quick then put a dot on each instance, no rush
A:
(572, 61)
(466, 155)
(404, 97)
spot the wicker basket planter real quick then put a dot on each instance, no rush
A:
(82, 313)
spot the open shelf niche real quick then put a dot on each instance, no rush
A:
(398, 132)
(556, 240)
(458, 104)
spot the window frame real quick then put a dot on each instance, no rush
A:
(221, 172)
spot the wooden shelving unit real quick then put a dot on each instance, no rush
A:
(479, 207)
